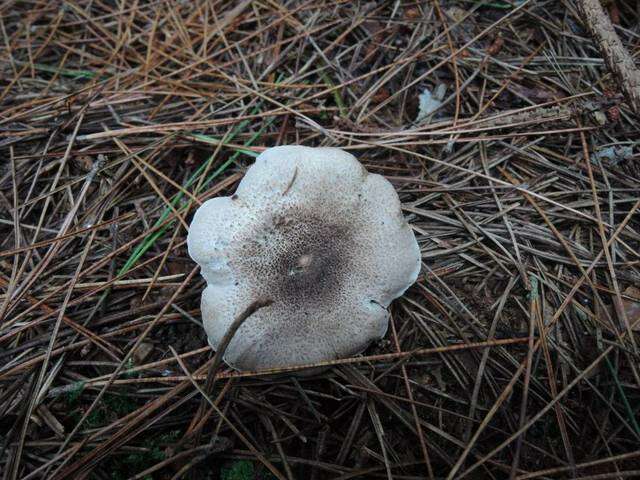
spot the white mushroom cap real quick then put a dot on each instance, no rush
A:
(312, 230)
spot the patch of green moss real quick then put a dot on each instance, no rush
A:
(124, 467)
(239, 470)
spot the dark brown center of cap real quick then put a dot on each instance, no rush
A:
(297, 258)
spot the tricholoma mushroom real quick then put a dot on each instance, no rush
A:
(313, 231)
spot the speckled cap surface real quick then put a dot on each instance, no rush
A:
(312, 230)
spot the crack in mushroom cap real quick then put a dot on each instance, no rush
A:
(312, 230)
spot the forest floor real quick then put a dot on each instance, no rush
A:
(516, 159)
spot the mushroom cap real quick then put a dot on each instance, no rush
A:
(326, 241)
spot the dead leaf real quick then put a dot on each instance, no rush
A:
(496, 46)
(412, 13)
(142, 352)
(85, 162)
(381, 95)
(632, 307)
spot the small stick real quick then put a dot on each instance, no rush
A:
(615, 55)
(217, 358)
(226, 340)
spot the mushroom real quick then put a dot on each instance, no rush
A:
(326, 241)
